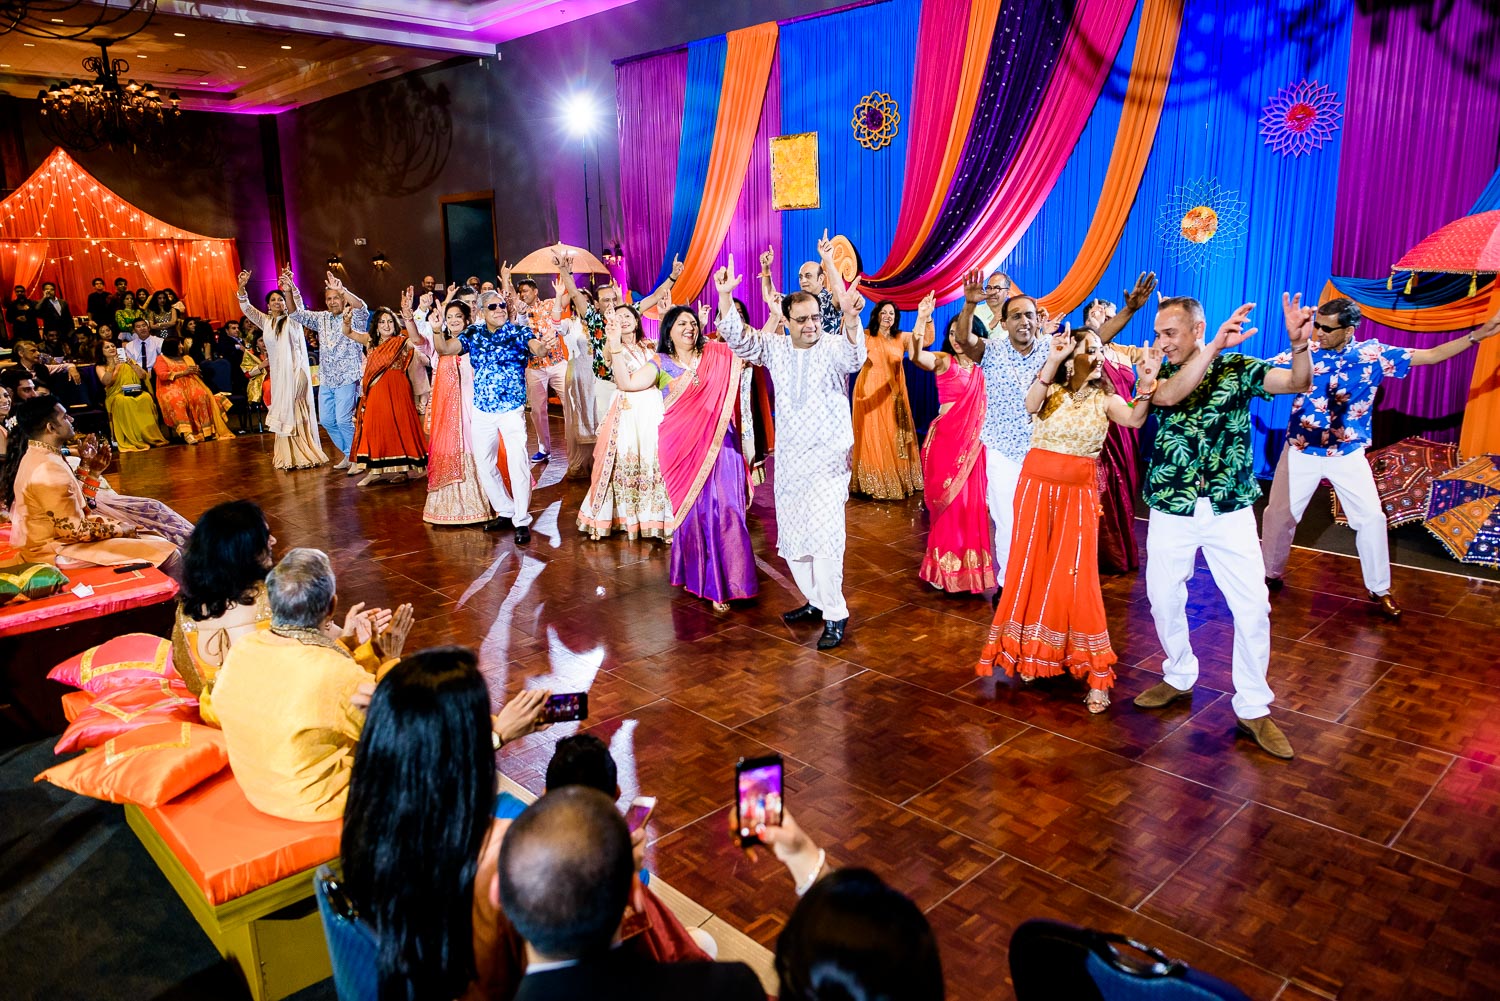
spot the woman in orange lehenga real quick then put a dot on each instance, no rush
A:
(454, 496)
(388, 439)
(1051, 612)
(958, 537)
(886, 463)
(186, 404)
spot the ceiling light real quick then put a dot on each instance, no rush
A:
(242, 67)
(57, 20)
(288, 47)
(28, 45)
(178, 34)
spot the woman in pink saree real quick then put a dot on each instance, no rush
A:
(708, 482)
(958, 537)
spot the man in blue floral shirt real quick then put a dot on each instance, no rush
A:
(1200, 484)
(498, 351)
(1328, 435)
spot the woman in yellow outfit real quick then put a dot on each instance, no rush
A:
(132, 410)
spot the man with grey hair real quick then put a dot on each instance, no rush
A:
(291, 699)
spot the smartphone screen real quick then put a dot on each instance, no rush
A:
(758, 794)
(566, 707)
(639, 812)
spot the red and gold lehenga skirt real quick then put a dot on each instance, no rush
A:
(1051, 615)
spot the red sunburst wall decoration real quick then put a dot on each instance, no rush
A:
(1300, 118)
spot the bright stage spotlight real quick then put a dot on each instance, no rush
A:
(580, 113)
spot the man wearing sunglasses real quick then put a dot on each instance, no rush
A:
(1328, 435)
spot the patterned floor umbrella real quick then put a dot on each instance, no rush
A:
(1403, 473)
(1463, 511)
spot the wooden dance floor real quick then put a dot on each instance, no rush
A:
(1369, 867)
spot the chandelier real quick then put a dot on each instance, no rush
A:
(75, 19)
(107, 112)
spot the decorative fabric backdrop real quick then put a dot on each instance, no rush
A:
(649, 97)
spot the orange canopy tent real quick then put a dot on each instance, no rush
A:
(61, 225)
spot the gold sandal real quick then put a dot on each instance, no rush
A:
(1097, 700)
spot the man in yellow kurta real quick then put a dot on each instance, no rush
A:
(292, 700)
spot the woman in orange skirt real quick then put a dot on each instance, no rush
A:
(187, 406)
(1051, 614)
(388, 438)
(886, 462)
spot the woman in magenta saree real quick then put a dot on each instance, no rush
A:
(1119, 469)
(704, 468)
(958, 550)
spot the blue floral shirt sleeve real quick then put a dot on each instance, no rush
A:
(499, 360)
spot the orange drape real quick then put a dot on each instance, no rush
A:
(983, 14)
(1150, 72)
(747, 69)
(24, 262)
(1481, 430)
(159, 262)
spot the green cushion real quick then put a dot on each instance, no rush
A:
(30, 580)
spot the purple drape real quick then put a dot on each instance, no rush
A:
(756, 225)
(649, 97)
(1420, 141)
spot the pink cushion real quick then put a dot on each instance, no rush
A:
(121, 710)
(124, 660)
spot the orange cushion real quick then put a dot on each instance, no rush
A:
(148, 765)
(74, 703)
(230, 848)
(121, 710)
(123, 660)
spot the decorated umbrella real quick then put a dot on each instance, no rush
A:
(1463, 511)
(1403, 475)
(539, 262)
(1469, 246)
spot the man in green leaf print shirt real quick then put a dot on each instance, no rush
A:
(1200, 484)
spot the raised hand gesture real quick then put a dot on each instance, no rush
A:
(825, 245)
(705, 310)
(406, 300)
(334, 282)
(425, 302)
(1049, 325)
(1062, 346)
(505, 273)
(974, 287)
(1299, 319)
(725, 279)
(767, 257)
(926, 306)
(1232, 332)
(1150, 365)
(244, 279)
(851, 302)
(1136, 297)
(676, 267)
(612, 333)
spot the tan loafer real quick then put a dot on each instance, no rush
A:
(1268, 735)
(1160, 694)
(1386, 605)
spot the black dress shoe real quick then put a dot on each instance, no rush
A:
(497, 524)
(807, 613)
(833, 634)
(1274, 583)
(523, 534)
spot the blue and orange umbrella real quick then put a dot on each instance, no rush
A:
(1463, 511)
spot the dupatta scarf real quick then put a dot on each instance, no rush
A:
(692, 432)
(393, 353)
(953, 440)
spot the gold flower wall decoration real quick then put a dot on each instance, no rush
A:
(875, 120)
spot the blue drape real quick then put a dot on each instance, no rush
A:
(1232, 58)
(700, 113)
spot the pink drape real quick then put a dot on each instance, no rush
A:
(1089, 50)
(649, 100)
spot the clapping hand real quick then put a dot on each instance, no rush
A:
(1144, 285)
(974, 287)
(391, 639)
(357, 625)
(1232, 332)
(1299, 319)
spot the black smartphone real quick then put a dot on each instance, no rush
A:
(757, 796)
(566, 707)
(130, 567)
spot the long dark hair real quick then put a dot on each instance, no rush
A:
(664, 339)
(30, 416)
(374, 328)
(420, 799)
(223, 560)
(172, 347)
(854, 937)
(160, 294)
(874, 327)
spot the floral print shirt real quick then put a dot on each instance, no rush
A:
(1202, 446)
(499, 360)
(1333, 417)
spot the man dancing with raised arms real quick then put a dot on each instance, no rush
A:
(1328, 434)
(341, 361)
(815, 435)
(1200, 484)
(818, 278)
(498, 351)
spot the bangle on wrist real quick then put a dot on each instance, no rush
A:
(812, 877)
(1473, 340)
(496, 741)
(1044, 382)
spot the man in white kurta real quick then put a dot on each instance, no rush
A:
(814, 438)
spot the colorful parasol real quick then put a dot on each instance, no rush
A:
(1469, 246)
(539, 262)
(1463, 511)
(1403, 476)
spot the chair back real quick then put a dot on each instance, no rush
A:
(352, 945)
(1049, 959)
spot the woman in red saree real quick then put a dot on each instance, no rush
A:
(958, 537)
(185, 402)
(388, 438)
(707, 479)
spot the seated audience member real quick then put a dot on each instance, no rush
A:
(420, 801)
(20, 383)
(53, 516)
(851, 935)
(127, 399)
(139, 344)
(187, 405)
(223, 597)
(47, 373)
(291, 700)
(565, 875)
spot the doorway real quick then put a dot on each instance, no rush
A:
(469, 244)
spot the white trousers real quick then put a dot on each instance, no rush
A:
(1297, 478)
(1229, 544)
(821, 581)
(538, 382)
(1003, 474)
(488, 430)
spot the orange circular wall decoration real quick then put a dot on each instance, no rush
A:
(876, 120)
